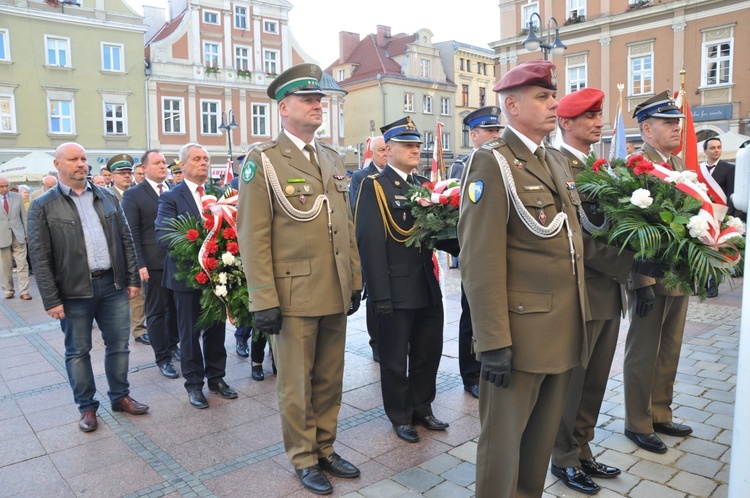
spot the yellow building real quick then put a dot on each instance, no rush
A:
(71, 72)
(642, 45)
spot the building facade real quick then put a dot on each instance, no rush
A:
(642, 46)
(71, 72)
(473, 70)
(212, 57)
(388, 77)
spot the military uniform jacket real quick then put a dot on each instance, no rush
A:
(636, 281)
(607, 268)
(293, 264)
(404, 275)
(522, 288)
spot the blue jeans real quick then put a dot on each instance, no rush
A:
(111, 309)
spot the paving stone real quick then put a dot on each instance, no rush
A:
(724, 438)
(720, 407)
(692, 414)
(692, 389)
(719, 420)
(697, 464)
(652, 471)
(448, 489)
(418, 479)
(717, 384)
(693, 484)
(726, 397)
(691, 401)
(621, 484)
(466, 451)
(462, 474)
(705, 357)
(721, 492)
(618, 442)
(668, 458)
(622, 461)
(384, 489)
(712, 374)
(703, 448)
(440, 463)
(648, 489)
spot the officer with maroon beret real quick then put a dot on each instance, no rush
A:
(519, 207)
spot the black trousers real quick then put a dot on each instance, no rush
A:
(467, 361)
(372, 324)
(410, 343)
(161, 317)
(211, 362)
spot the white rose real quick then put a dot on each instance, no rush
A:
(698, 227)
(222, 278)
(220, 290)
(736, 223)
(227, 258)
(642, 198)
(681, 176)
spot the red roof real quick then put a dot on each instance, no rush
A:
(372, 59)
(168, 28)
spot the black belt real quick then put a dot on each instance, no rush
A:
(100, 273)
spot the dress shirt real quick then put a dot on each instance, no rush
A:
(97, 249)
(194, 190)
(526, 140)
(301, 145)
(155, 186)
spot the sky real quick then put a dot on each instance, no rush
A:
(316, 24)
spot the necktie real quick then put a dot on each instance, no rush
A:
(539, 153)
(160, 187)
(200, 190)
(710, 169)
(5, 204)
(309, 148)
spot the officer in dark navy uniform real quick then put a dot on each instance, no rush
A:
(403, 286)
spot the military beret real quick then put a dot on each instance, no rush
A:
(120, 162)
(658, 106)
(484, 117)
(302, 79)
(576, 103)
(402, 130)
(531, 73)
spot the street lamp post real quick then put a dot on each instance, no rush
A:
(228, 125)
(548, 46)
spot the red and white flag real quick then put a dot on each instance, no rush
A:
(688, 148)
(437, 155)
(368, 155)
(228, 174)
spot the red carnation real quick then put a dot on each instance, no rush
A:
(212, 247)
(454, 201)
(192, 235)
(643, 167)
(211, 264)
(209, 223)
(201, 277)
(429, 185)
(598, 164)
(233, 248)
(230, 234)
(634, 159)
(666, 165)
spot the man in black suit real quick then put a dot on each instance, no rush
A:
(402, 284)
(210, 363)
(723, 173)
(140, 204)
(379, 160)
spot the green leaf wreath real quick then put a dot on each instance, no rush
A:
(435, 211)
(660, 222)
(222, 283)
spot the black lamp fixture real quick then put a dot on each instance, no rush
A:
(224, 127)
(533, 42)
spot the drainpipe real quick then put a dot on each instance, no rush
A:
(148, 114)
(382, 90)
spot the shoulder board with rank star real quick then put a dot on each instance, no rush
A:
(264, 146)
(493, 144)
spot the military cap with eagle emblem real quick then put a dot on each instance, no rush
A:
(302, 79)
(403, 130)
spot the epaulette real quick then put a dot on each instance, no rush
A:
(264, 146)
(494, 144)
(326, 144)
(554, 151)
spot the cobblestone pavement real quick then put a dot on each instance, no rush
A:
(235, 447)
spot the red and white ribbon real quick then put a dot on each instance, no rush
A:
(218, 210)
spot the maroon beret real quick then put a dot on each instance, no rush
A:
(531, 73)
(576, 103)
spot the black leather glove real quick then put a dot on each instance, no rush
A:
(448, 245)
(354, 306)
(268, 321)
(384, 307)
(644, 301)
(496, 366)
(648, 268)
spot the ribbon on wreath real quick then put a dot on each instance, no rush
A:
(224, 208)
(441, 193)
(711, 212)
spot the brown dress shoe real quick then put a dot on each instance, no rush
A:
(88, 421)
(9, 295)
(129, 405)
(26, 297)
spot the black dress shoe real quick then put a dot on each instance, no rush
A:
(575, 478)
(144, 339)
(222, 389)
(175, 354)
(407, 432)
(168, 370)
(257, 372)
(673, 429)
(431, 423)
(649, 442)
(337, 466)
(242, 349)
(197, 399)
(314, 480)
(596, 469)
(473, 390)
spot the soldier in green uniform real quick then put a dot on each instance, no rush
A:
(296, 236)
(522, 268)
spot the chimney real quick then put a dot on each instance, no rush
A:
(347, 43)
(384, 35)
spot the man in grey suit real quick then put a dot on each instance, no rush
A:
(13, 241)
